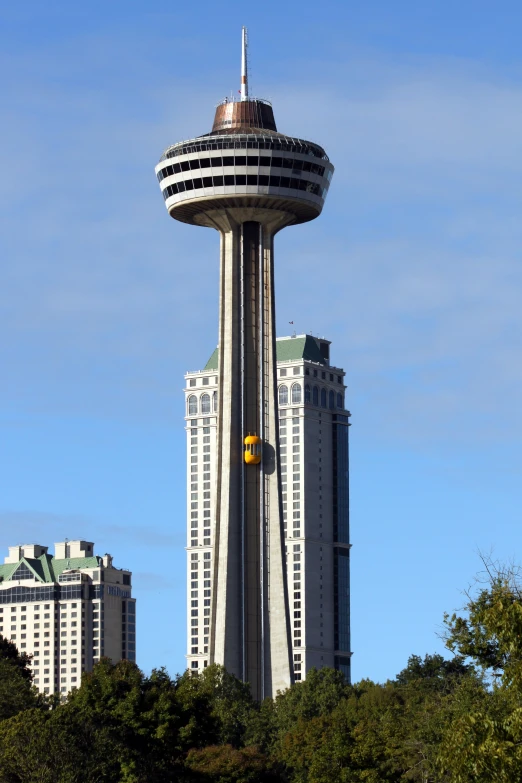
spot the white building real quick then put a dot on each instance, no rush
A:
(314, 470)
(66, 611)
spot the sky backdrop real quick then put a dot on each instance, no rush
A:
(413, 271)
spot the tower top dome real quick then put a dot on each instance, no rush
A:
(247, 114)
(244, 162)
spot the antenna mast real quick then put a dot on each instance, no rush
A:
(244, 65)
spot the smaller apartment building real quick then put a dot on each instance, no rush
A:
(66, 610)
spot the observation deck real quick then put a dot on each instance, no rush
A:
(244, 162)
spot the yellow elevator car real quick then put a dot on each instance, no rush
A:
(253, 446)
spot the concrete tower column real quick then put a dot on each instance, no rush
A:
(250, 628)
(248, 181)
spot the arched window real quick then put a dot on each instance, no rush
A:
(315, 396)
(214, 401)
(192, 405)
(296, 393)
(340, 401)
(283, 395)
(307, 392)
(331, 400)
(205, 403)
(323, 398)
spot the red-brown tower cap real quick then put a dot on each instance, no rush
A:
(244, 116)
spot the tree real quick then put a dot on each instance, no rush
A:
(225, 764)
(9, 652)
(217, 707)
(16, 691)
(318, 695)
(433, 673)
(132, 723)
(490, 632)
(483, 741)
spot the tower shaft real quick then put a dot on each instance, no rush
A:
(251, 632)
(248, 181)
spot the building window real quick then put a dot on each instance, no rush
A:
(307, 392)
(215, 402)
(341, 599)
(296, 393)
(22, 572)
(296, 370)
(340, 401)
(331, 400)
(192, 405)
(283, 395)
(282, 373)
(315, 396)
(205, 403)
(323, 398)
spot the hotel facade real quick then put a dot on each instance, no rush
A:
(313, 437)
(66, 611)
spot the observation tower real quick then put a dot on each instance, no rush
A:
(247, 181)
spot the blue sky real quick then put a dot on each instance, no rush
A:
(413, 271)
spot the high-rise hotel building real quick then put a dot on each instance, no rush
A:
(313, 438)
(66, 610)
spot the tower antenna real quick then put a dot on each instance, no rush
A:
(244, 64)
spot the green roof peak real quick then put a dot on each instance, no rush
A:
(291, 349)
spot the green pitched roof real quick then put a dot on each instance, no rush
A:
(48, 568)
(288, 349)
(58, 566)
(212, 363)
(7, 569)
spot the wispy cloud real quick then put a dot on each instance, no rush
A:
(413, 270)
(44, 527)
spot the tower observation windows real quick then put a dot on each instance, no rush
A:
(192, 405)
(205, 403)
(246, 142)
(283, 395)
(242, 180)
(294, 165)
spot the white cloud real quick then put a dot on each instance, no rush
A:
(412, 270)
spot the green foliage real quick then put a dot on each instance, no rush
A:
(16, 691)
(9, 652)
(218, 707)
(225, 764)
(318, 695)
(434, 673)
(438, 721)
(483, 738)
